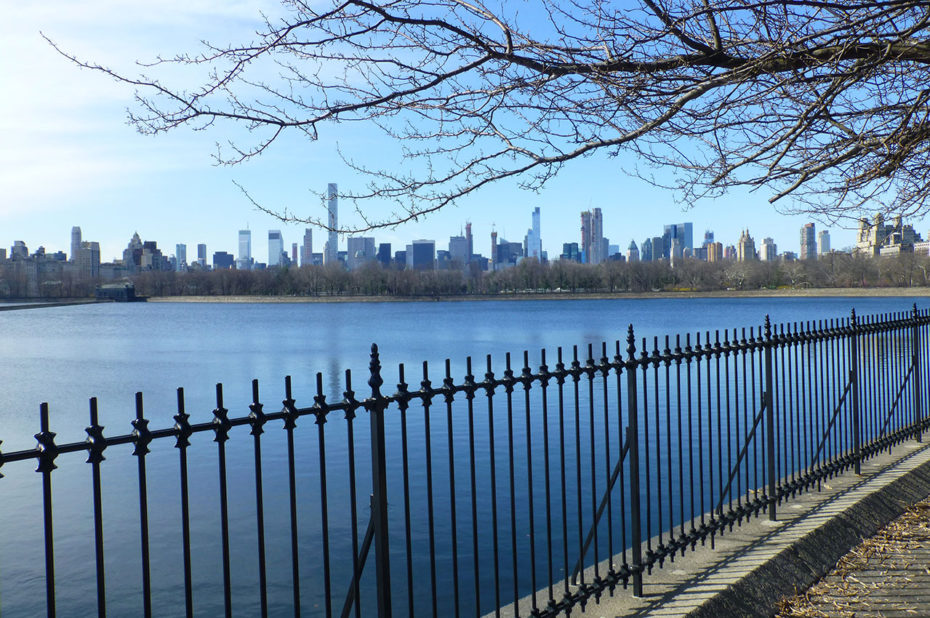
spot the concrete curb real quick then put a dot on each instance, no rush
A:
(808, 558)
(761, 562)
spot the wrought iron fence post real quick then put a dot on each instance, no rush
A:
(376, 406)
(915, 361)
(769, 417)
(636, 566)
(854, 387)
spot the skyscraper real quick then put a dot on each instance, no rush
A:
(646, 254)
(745, 248)
(359, 249)
(306, 249)
(808, 242)
(87, 260)
(384, 254)
(684, 232)
(593, 247)
(202, 254)
(421, 255)
(331, 250)
(275, 247)
(458, 250)
(75, 242)
(823, 242)
(244, 261)
(632, 253)
(768, 252)
(533, 240)
(180, 256)
(470, 240)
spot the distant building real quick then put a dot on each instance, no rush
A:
(421, 255)
(132, 254)
(275, 247)
(75, 242)
(675, 250)
(508, 254)
(384, 254)
(646, 254)
(659, 250)
(244, 261)
(19, 250)
(331, 249)
(571, 252)
(470, 240)
(593, 248)
(117, 292)
(152, 257)
(632, 252)
(879, 238)
(359, 249)
(683, 232)
(306, 249)
(458, 250)
(808, 242)
(87, 260)
(715, 252)
(533, 247)
(768, 252)
(180, 256)
(222, 260)
(823, 242)
(746, 248)
(202, 254)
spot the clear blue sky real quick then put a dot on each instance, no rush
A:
(67, 156)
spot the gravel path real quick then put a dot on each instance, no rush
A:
(887, 575)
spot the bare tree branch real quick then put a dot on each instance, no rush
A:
(824, 105)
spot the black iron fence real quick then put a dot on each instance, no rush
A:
(539, 487)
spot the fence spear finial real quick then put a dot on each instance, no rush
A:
(631, 343)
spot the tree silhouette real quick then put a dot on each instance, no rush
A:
(822, 104)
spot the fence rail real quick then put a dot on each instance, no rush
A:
(540, 488)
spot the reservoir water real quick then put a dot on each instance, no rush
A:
(65, 355)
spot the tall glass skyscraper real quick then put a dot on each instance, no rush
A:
(244, 261)
(331, 252)
(533, 240)
(75, 242)
(306, 250)
(275, 247)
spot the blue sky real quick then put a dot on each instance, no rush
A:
(67, 156)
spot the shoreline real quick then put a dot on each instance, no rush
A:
(784, 293)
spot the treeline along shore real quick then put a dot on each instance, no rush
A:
(837, 271)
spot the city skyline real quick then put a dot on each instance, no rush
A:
(675, 238)
(71, 158)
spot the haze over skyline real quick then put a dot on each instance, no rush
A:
(69, 157)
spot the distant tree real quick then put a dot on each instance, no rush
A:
(819, 101)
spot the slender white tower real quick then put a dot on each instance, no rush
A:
(75, 242)
(331, 253)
